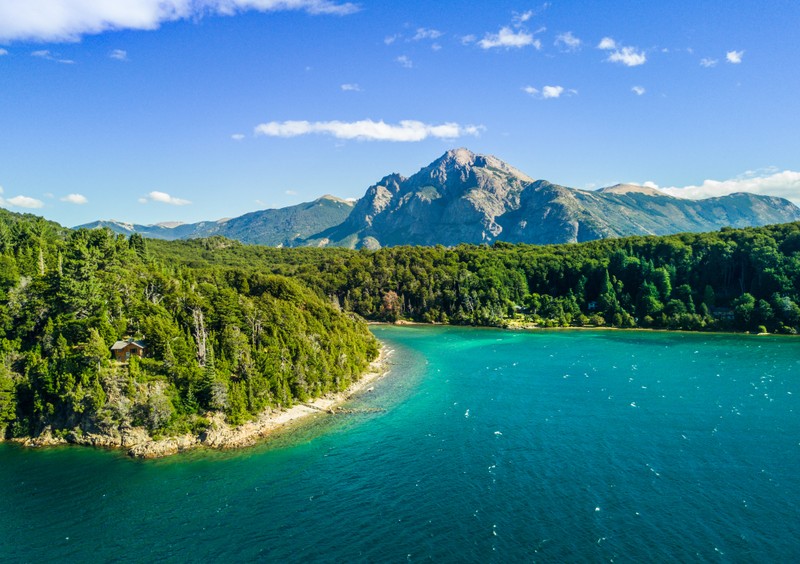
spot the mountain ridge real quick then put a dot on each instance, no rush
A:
(465, 197)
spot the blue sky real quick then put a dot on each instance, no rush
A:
(158, 110)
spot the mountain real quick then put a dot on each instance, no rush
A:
(169, 231)
(463, 197)
(274, 227)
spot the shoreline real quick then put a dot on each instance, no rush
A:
(220, 435)
(533, 328)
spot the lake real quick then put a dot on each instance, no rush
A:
(493, 446)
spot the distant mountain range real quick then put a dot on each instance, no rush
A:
(463, 197)
(289, 226)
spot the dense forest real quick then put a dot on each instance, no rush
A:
(728, 280)
(235, 329)
(214, 341)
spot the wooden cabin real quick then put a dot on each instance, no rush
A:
(123, 350)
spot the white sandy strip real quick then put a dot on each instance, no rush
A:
(224, 436)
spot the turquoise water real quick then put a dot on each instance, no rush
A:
(494, 446)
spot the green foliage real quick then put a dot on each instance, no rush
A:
(216, 339)
(685, 281)
(236, 328)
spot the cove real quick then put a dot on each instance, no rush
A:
(491, 446)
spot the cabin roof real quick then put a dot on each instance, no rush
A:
(119, 345)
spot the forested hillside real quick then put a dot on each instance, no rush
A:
(215, 340)
(732, 279)
(233, 328)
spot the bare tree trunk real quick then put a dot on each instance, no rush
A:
(199, 334)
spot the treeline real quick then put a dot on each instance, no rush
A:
(215, 340)
(732, 279)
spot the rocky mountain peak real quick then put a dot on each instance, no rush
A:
(631, 189)
(334, 199)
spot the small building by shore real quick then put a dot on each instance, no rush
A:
(123, 350)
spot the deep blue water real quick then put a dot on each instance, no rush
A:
(495, 446)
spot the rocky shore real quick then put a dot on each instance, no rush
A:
(219, 435)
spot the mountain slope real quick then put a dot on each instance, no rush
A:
(455, 199)
(463, 197)
(282, 226)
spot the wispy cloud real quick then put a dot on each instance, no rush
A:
(291, 192)
(78, 199)
(734, 57)
(707, 62)
(404, 61)
(567, 42)
(49, 56)
(785, 184)
(352, 87)
(626, 55)
(389, 39)
(425, 33)
(237, 136)
(548, 92)
(638, 90)
(163, 198)
(507, 38)
(3, 52)
(69, 20)
(118, 54)
(368, 130)
(520, 19)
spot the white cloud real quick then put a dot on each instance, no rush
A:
(368, 130)
(47, 55)
(638, 90)
(628, 56)
(20, 201)
(24, 202)
(436, 47)
(607, 43)
(567, 42)
(69, 20)
(784, 184)
(548, 92)
(467, 39)
(389, 39)
(509, 38)
(707, 62)
(734, 57)
(3, 52)
(291, 192)
(75, 199)
(163, 198)
(119, 55)
(424, 33)
(520, 19)
(237, 136)
(552, 91)
(404, 61)
(351, 87)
